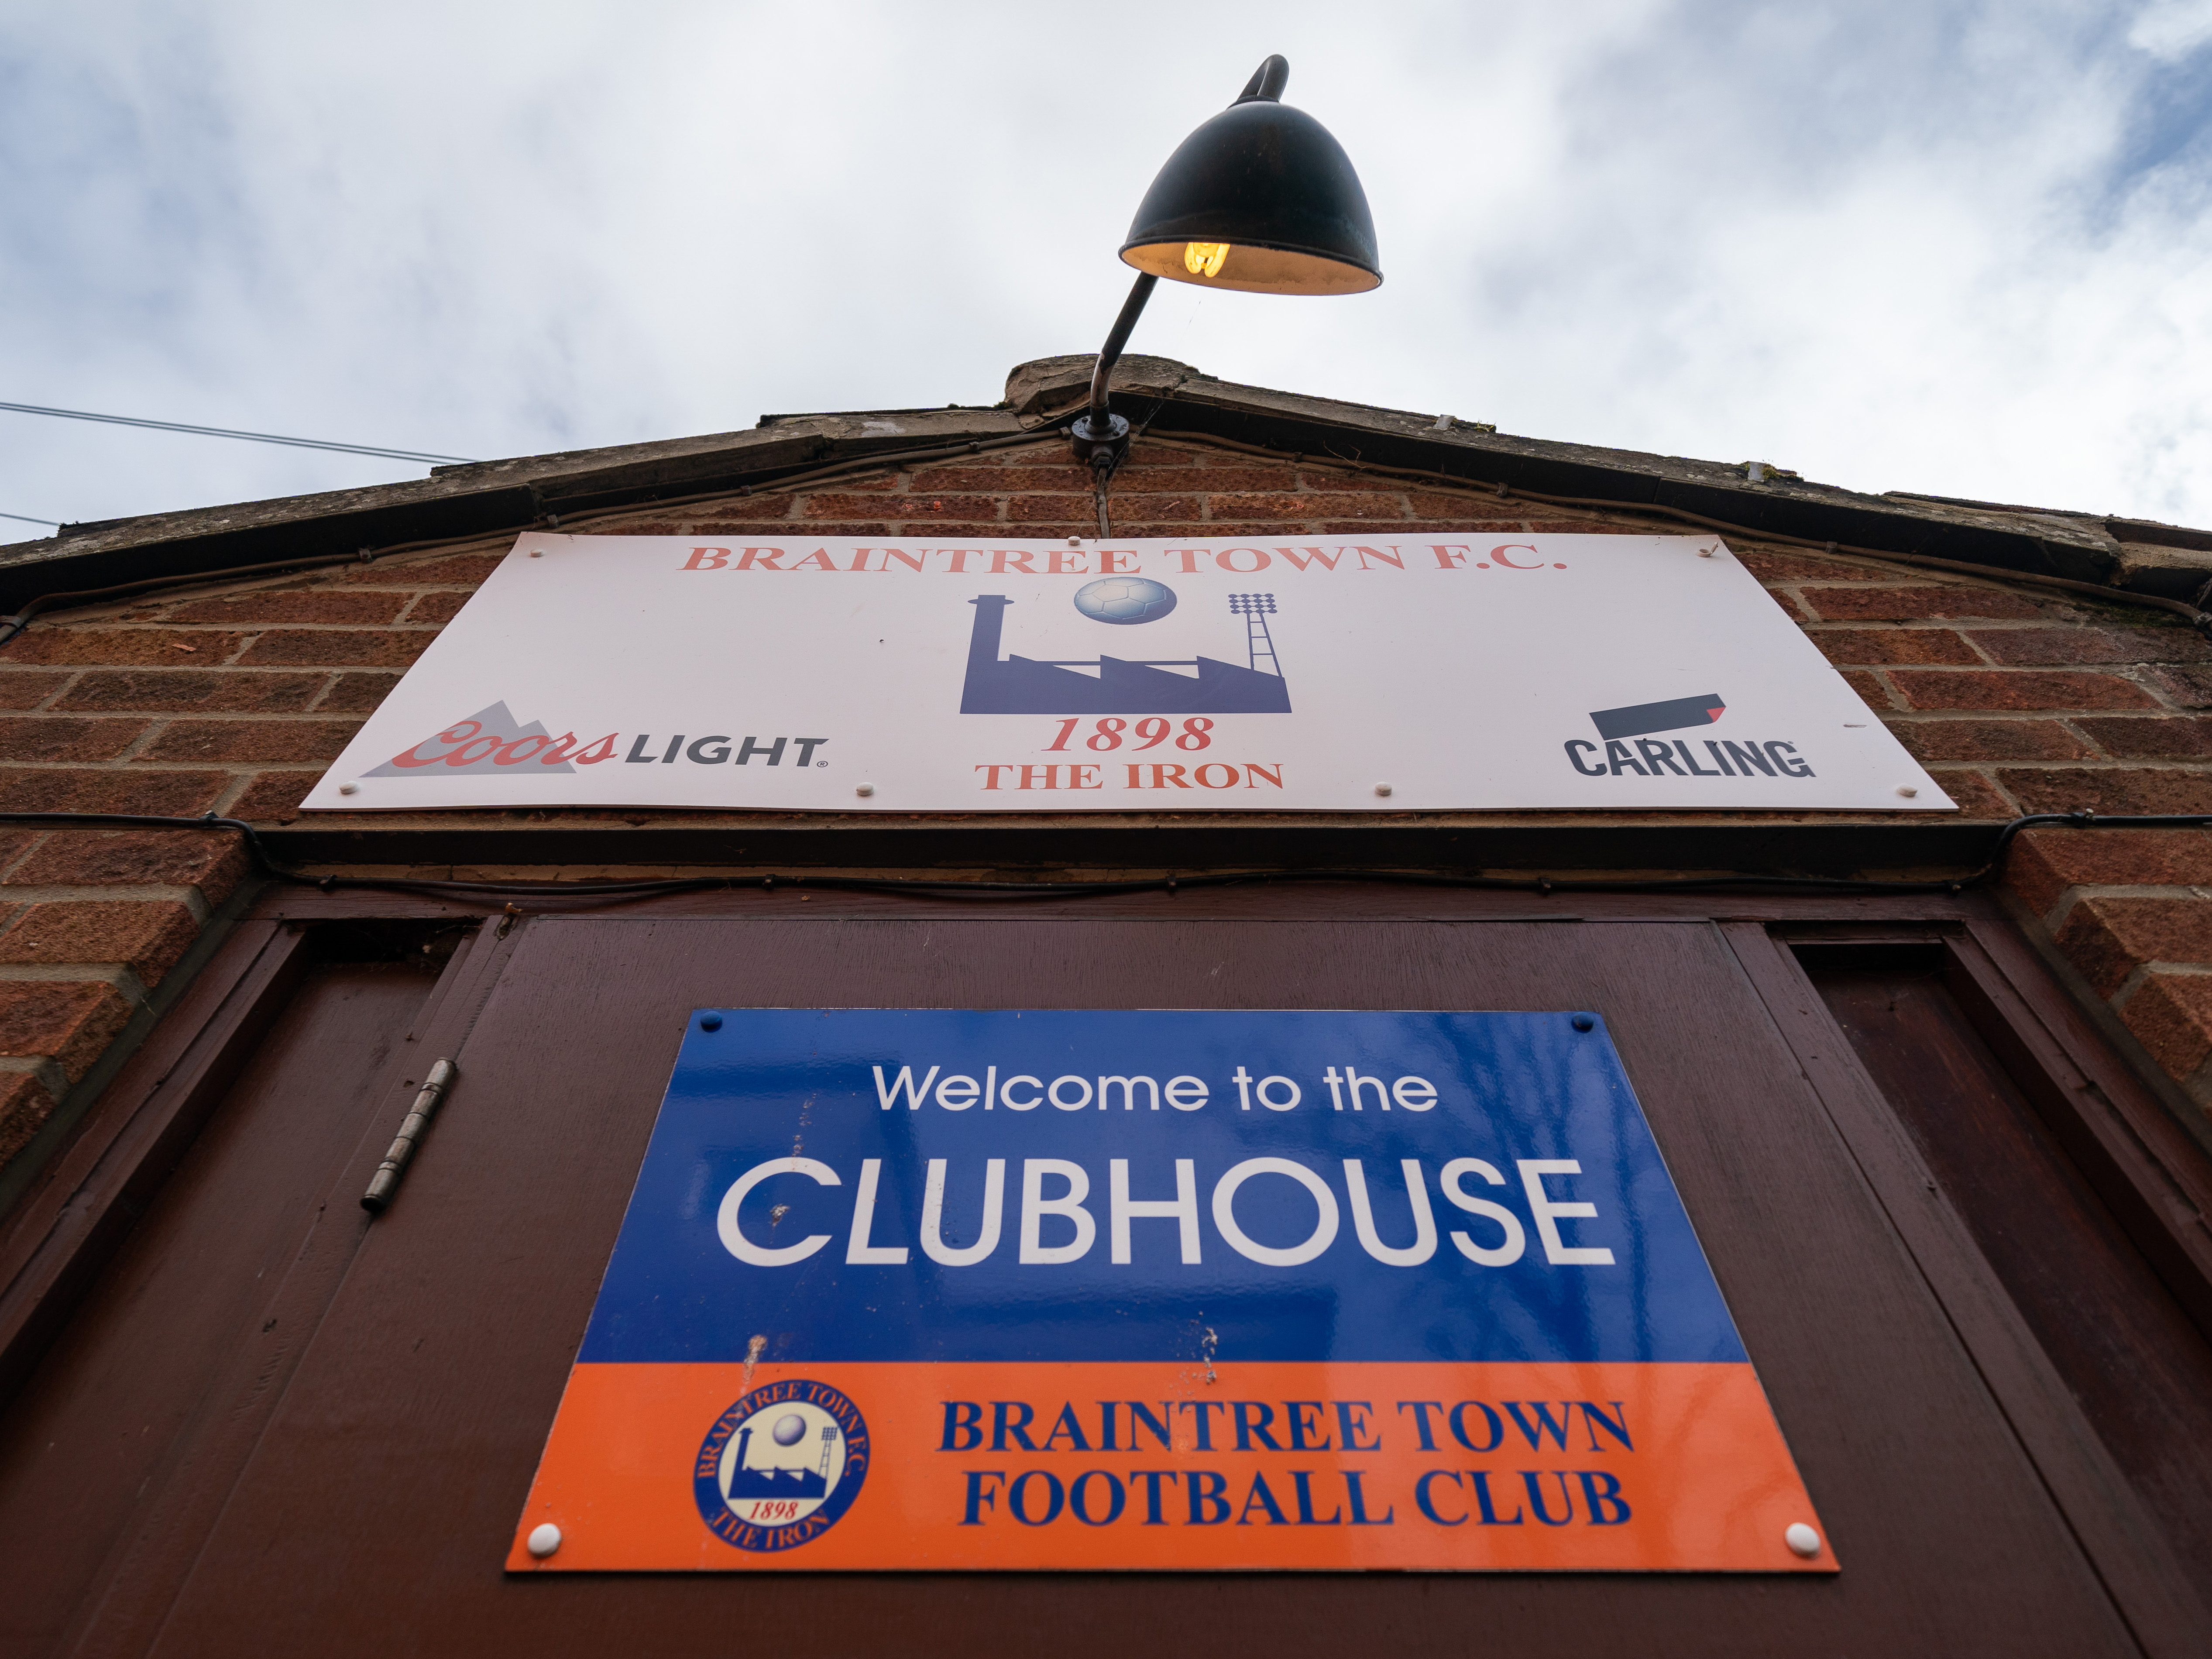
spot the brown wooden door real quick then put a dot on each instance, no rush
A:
(366, 1502)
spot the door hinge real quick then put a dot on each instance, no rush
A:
(385, 1181)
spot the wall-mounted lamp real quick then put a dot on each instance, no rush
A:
(1260, 199)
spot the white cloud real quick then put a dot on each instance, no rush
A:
(1957, 247)
(2171, 29)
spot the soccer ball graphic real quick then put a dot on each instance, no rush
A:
(1125, 600)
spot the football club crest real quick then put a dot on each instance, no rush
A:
(781, 1466)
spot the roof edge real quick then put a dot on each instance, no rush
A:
(488, 497)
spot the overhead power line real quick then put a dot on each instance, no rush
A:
(22, 518)
(224, 432)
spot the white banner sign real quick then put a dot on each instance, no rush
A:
(1458, 670)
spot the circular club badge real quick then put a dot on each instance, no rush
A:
(781, 1466)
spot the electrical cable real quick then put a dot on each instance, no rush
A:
(251, 437)
(268, 865)
(24, 518)
(2196, 617)
(12, 626)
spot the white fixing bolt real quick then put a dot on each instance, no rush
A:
(1075, 541)
(536, 552)
(349, 789)
(1802, 1538)
(864, 789)
(545, 1538)
(1382, 788)
(1907, 790)
(1704, 552)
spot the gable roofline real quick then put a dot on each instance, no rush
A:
(457, 502)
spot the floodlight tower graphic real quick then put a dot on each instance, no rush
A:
(829, 1445)
(1255, 608)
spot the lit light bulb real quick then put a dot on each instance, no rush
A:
(1204, 259)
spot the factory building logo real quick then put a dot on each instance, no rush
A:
(1000, 684)
(781, 1466)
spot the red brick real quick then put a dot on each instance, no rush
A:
(1603, 527)
(923, 508)
(2151, 740)
(14, 843)
(436, 607)
(891, 479)
(2043, 863)
(161, 795)
(336, 649)
(2039, 648)
(358, 693)
(1057, 509)
(2192, 688)
(1171, 513)
(2019, 689)
(1178, 511)
(1871, 690)
(54, 739)
(639, 527)
(213, 860)
(1053, 452)
(1000, 535)
(2170, 1015)
(454, 570)
(67, 1021)
(1309, 477)
(25, 1106)
(147, 935)
(937, 480)
(250, 740)
(2067, 789)
(206, 690)
(1882, 646)
(20, 690)
(1988, 741)
(1238, 478)
(1978, 798)
(1363, 510)
(273, 797)
(1769, 567)
(311, 604)
(1872, 604)
(111, 647)
(1453, 506)
(2108, 939)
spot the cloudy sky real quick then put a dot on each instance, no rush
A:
(1929, 245)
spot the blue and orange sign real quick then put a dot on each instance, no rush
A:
(929, 1289)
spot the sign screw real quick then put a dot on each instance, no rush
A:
(1382, 788)
(864, 789)
(536, 552)
(710, 1022)
(545, 1538)
(1802, 1538)
(1582, 1022)
(1907, 790)
(349, 789)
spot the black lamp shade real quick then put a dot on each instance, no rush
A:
(1268, 184)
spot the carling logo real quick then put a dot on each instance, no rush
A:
(490, 741)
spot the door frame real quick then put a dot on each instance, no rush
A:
(2149, 1167)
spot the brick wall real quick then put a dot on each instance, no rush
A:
(233, 700)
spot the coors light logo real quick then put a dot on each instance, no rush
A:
(491, 740)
